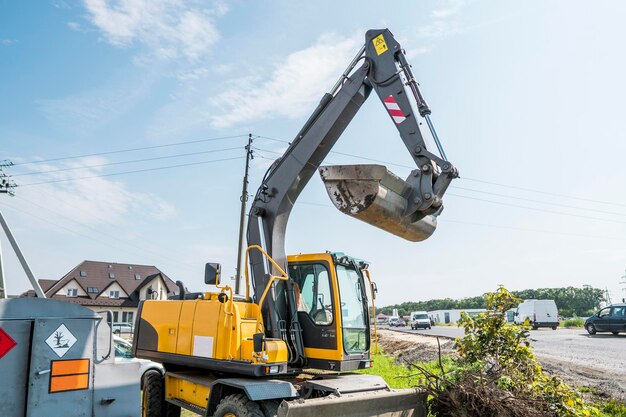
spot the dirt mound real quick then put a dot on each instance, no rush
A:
(412, 348)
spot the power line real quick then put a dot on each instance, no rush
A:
(125, 162)
(133, 172)
(536, 209)
(537, 201)
(107, 243)
(545, 192)
(478, 191)
(130, 150)
(468, 178)
(521, 229)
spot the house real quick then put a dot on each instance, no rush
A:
(109, 286)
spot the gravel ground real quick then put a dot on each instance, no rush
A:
(597, 361)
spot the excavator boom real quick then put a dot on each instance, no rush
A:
(407, 208)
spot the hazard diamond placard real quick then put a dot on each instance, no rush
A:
(6, 343)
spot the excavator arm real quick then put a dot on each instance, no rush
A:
(405, 208)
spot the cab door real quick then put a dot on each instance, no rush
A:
(316, 307)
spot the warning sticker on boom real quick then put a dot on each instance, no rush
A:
(61, 340)
(380, 44)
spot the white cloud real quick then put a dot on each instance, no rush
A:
(169, 28)
(293, 88)
(93, 201)
(443, 25)
(8, 42)
(89, 110)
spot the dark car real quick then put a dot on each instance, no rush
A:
(609, 319)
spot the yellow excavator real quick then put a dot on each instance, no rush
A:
(290, 344)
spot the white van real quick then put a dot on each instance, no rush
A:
(540, 313)
(420, 320)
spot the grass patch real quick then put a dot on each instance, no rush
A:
(575, 322)
(399, 376)
(612, 408)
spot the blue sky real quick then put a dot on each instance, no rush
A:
(527, 95)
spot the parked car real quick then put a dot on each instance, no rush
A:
(609, 319)
(420, 320)
(393, 321)
(123, 353)
(540, 313)
(122, 328)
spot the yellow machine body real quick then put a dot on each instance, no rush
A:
(207, 333)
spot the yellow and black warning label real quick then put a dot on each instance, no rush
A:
(380, 44)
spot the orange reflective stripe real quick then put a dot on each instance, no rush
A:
(69, 375)
(69, 382)
(70, 367)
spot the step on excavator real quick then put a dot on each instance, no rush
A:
(290, 345)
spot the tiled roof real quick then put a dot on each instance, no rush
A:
(94, 274)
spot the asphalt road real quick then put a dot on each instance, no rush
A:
(598, 360)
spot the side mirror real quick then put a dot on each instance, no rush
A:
(375, 288)
(212, 273)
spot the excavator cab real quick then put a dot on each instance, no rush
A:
(332, 310)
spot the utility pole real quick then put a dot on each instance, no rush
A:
(6, 187)
(623, 282)
(242, 218)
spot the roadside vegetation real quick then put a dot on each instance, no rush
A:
(494, 373)
(573, 322)
(571, 301)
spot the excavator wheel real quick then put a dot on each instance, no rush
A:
(270, 408)
(153, 402)
(238, 405)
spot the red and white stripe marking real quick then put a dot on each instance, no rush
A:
(394, 110)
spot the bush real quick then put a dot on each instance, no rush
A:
(497, 374)
(574, 322)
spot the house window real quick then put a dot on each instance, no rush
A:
(130, 267)
(137, 276)
(114, 294)
(83, 273)
(127, 317)
(111, 275)
(115, 316)
(92, 290)
(72, 292)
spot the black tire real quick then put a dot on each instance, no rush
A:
(553, 327)
(270, 407)
(238, 405)
(153, 402)
(118, 332)
(615, 333)
(428, 327)
(591, 329)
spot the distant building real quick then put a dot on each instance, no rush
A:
(452, 316)
(109, 286)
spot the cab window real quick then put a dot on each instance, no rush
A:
(313, 294)
(605, 312)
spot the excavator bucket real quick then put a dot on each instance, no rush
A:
(375, 195)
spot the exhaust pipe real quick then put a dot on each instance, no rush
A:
(373, 194)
